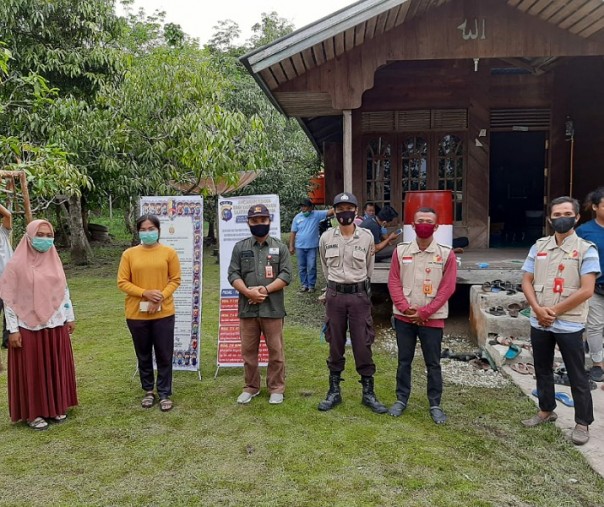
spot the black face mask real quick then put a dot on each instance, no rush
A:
(345, 217)
(563, 224)
(260, 230)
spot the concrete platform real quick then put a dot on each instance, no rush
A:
(592, 450)
(502, 264)
(483, 324)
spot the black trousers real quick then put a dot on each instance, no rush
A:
(349, 312)
(157, 336)
(430, 339)
(573, 354)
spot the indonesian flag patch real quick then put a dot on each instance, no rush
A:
(541, 256)
(407, 259)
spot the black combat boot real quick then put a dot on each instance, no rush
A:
(369, 398)
(333, 397)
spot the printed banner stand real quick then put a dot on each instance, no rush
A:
(181, 222)
(232, 216)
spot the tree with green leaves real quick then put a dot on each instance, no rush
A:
(292, 160)
(70, 45)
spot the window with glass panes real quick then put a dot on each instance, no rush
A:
(378, 171)
(450, 170)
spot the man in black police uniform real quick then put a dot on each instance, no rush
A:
(347, 258)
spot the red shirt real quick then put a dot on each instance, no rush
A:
(443, 293)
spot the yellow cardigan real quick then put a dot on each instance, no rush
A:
(143, 268)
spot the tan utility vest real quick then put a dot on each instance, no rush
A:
(417, 266)
(549, 258)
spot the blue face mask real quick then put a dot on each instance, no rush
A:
(148, 237)
(42, 244)
(384, 231)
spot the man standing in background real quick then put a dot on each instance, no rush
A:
(594, 329)
(304, 242)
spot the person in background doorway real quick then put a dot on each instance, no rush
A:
(347, 259)
(594, 231)
(40, 320)
(559, 277)
(6, 252)
(369, 211)
(422, 278)
(304, 242)
(149, 274)
(377, 225)
(260, 269)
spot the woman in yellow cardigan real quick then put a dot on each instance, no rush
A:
(149, 274)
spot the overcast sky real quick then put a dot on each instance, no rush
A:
(197, 17)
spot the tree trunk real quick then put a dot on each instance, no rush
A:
(81, 253)
(130, 217)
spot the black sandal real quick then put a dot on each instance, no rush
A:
(149, 400)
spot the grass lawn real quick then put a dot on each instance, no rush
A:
(211, 451)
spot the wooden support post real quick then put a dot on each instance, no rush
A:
(347, 147)
(25, 192)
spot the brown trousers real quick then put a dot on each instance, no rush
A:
(349, 312)
(250, 330)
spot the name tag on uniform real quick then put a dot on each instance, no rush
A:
(268, 271)
(273, 251)
(542, 256)
(407, 260)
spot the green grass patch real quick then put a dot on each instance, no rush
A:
(211, 451)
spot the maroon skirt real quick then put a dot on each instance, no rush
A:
(41, 375)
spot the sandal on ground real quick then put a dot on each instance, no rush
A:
(512, 352)
(149, 400)
(564, 399)
(165, 404)
(38, 424)
(520, 368)
(59, 419)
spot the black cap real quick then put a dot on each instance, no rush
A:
(345, 198)
(306, 202)
(258, 210)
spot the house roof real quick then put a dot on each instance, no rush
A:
(293, 55)
(321, 41)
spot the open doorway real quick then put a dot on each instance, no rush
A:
(516, 188)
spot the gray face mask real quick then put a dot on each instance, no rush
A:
(563, 224)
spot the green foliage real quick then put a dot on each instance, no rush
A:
(68, 42)
(171, 124)
(292, 160)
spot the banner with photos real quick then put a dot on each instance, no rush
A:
(181, 222)
(232, 218)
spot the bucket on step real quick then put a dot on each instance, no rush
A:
(440, 201)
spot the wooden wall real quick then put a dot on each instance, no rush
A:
(578, 92)
(425, 64)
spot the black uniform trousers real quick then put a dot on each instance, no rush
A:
(349, 312)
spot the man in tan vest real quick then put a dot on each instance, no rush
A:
(422, 278)
(560, 275)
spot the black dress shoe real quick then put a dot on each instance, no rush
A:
(438, 416)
